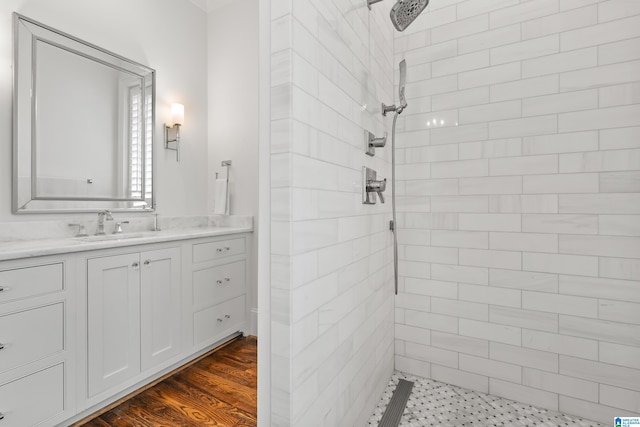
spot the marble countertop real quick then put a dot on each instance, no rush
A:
(40, 247)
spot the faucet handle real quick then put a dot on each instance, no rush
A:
(371, 142)
(381, 188)
(82, 232)
(118, 228)
(371, 185)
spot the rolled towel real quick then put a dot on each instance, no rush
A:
(221, 197)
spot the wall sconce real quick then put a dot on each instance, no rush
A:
(173, 129)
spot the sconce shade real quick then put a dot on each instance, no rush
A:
(177, 114)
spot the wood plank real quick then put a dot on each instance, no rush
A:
(186, 406)
(235, 394)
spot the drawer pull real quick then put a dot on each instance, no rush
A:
(1, 416)
(1, 348)
(2, 289)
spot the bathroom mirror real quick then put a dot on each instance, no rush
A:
(83, 121)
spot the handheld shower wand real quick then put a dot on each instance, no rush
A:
(403, 101)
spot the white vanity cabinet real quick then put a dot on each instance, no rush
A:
(219, 271)
(133, 315)
(82, 328)
(36, 357)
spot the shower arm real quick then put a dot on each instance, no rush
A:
(370, 2)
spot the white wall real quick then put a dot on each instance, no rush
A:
(233, 76)
(521, 269)
(331, 290)
(167, 35)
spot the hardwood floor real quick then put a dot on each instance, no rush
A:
(218, 390)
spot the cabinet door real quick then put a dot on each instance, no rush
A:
(113, 310)
(160, 306)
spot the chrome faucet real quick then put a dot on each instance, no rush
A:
(102, 216)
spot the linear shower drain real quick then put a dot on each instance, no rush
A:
(393, 414)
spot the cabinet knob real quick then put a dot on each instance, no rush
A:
(219, 282)
(147, 262)
(1, 346)
(226, 316)
(219, 250)
(2, 288)
(1, 416)
(219, 320)
(226, 279)
(227, 248)
(135, 265)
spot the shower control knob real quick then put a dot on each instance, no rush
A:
(371, 142)
(377, 187)
(370, 184)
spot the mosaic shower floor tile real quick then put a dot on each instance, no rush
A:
(437, 404)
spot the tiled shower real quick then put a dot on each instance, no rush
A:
(518, 205)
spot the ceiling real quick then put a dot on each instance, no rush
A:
(210, 5)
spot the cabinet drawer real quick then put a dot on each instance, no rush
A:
(211, 322)
(30, 335)
(203, 252)
(30, 281)
(217, 284)
(33, 399)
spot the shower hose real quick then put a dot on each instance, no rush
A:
(394, 224)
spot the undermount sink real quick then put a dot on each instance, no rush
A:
(106, 237)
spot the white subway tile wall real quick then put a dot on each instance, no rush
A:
(332, 306)
(523, 139)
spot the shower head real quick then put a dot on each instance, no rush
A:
(403, 81)
(404, 12)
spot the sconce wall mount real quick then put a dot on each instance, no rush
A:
(172, 130)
